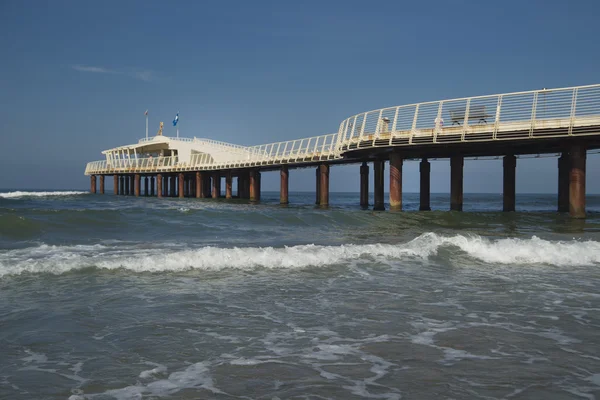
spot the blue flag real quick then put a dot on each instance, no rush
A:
(176, 119)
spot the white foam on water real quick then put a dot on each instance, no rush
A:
(196, 376)
(525, 251)
(61, 259)
(159, 368)
(19, 194)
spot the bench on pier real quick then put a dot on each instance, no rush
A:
(476, 112)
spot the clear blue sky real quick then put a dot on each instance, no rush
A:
(77, 76)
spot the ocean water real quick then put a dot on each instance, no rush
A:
(106, 297)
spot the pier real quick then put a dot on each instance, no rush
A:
(563, 121)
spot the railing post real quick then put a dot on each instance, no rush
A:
(438, 119)
(573, 110)
(533, 109)
(466, 120)
(362, 129)
(394, 124)
(414, 124)
(497, 121)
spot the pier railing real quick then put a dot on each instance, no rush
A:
(545, 113)
(537, 113)
(319, 148)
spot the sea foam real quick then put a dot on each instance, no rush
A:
(61, 259)
(19, 194)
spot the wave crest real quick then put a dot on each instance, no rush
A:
(18, 194)
(61, 259)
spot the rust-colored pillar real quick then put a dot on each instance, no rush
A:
(509, 164)
(137, 185)
(116, 184)
(151, 185)
(216, 185)
(255, 185)
(456, 182)
(228, 185)
(364, 185)
(146, 185)
(577, 181)
(101, 184)
(92, 183)
(318, 188)
(159, 185)
(395, 181)
(425, 189)
(324, 185)
(181, 185)
(378, 182)
(199, 193)
(284, 185)
(564, 169)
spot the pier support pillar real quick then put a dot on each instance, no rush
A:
(127, 180)
(318, 186)
(577, 181)
(324, 185)
(228, 185)
(159, 185)
(101, 184)
(364, 185)
(131, 185)
(116, 184)
(564, 168)
(425, 189)
(92, 183)
(181, 185)
(146, 185)
(121, 185)
(137, 185)
(216, 185)
(509, 164)
(173, 188)
(199, 193)
(284, 185)
(395, 181)
(151, 185)
(378, 182)
(255, 185)
(456, 183)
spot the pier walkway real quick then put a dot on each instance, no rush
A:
(565, 120)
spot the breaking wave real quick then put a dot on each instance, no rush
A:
(19, 194)
(60, 259)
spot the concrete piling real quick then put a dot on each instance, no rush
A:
(284, 185)
(395, 181)
(378, 183)
(364, 185)
(509, 165)
(456, 183)
(425, 185)
(577, 181)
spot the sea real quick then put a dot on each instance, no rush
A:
(112, 297)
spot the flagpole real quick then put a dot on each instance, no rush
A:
(146, 124)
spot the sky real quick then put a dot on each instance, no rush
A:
(77, 76)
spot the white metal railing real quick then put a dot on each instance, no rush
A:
(305, 150)
(510, 116)
(537, 113)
